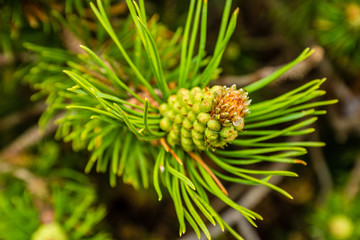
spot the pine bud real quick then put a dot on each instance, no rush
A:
(165, 123)
(214, 125)
(198, 127)
(211, 135)
(204, 118)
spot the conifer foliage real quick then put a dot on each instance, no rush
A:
(137, 96)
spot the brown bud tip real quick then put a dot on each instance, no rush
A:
(230, 105)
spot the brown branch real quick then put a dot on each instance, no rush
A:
(13, 119)
(29, 138)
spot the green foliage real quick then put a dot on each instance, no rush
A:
(64, 206)
(74, 211)
(337, 27)
(48, 201)
(113, 111)
(335, 24)
(301, 14)
(337, 219)
(18, 214)
(13, 31)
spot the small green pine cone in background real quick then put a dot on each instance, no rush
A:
(204, 118)
(48, 231)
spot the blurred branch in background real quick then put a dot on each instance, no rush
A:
(296, 73)
(321, 170)
(345, 117)
(353, 185)
(250, 199)
(14, 119)
(27, 139)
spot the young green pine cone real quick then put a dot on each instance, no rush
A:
(204, 118)
(49, 231)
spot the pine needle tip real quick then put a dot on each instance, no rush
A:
(298, 161)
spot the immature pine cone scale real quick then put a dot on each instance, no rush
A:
(199, 119)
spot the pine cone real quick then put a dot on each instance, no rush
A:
(49, 231)
(204, 118)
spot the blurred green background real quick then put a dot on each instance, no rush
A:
(269, 34)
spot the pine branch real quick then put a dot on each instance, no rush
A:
(183, 141)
